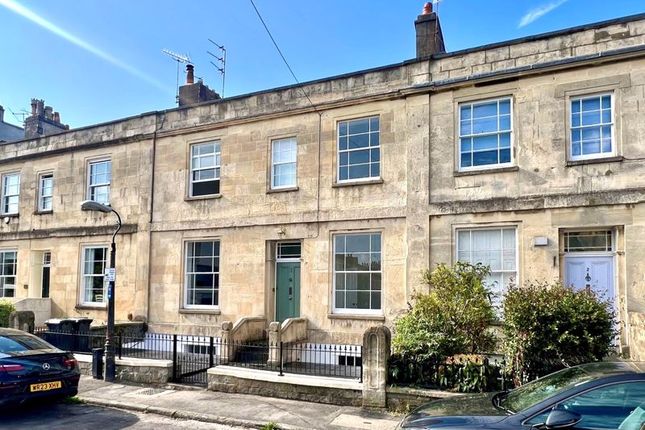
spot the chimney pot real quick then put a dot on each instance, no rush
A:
(190, 74)
(427, 9)
(56, 117)
(49, 112)
(34, 107)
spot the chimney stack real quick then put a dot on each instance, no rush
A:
(40, 107)
(43, 121)
(429, 35)
(195, 92)
(1, 114)
(190, 74)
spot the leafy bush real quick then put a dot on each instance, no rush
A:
(6, 307)
(452, 318)
(548, 327)
(466, 376)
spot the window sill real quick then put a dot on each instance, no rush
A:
(43, 212)
(357, 183)
(616, 159)
(210, 196)
(10, 215)
(92, 307)
(282, 190)
(200, 311)
(486, 171)
(365, 317)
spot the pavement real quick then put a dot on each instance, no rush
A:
(236, 410)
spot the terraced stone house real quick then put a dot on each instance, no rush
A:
(326, 200)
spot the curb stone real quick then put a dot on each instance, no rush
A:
(178, 414)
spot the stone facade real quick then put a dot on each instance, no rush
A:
(418, 202)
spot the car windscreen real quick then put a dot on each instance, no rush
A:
(543, 388)
(19, 342)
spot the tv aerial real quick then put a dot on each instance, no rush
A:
(180, 59)
(221, 68)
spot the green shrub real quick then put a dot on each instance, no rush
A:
(466, 376)
(6, 307)
(550, 326)
(452, 318)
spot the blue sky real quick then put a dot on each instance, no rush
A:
(96, 61)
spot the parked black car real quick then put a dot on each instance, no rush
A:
(31, 368)
(591, 396)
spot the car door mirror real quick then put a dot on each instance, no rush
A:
(562, 419)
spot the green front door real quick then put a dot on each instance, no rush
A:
(287, 304)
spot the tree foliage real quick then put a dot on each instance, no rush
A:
(550, 326)
(452, 318)
(6, 307)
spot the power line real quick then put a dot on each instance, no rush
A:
(282, 55)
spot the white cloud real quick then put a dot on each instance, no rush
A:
(539, 12)
(53, 28)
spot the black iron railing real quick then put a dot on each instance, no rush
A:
(193, 355)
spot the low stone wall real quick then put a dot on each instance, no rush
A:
(334, 391)
(637, 336)
(404, 399)
(138, 370)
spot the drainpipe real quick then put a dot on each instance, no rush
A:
(151, 207)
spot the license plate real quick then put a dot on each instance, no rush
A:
(45, 386)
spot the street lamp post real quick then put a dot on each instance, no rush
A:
(110, 366)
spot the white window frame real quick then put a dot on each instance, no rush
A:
(90, 185)
(217, 167)
(611, 124)
(6, 196)
(275, 164)
(4, 276)
(609, 232)
(472, 103)
(41, 196)
(353, 311)
(85, 276)
(499, 228)
(186, 273)
(368, 148)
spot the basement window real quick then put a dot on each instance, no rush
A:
(349, 360)
(205, 161)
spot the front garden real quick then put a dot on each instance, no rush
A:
(452, 337)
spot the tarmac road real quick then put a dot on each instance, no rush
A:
(52, 416)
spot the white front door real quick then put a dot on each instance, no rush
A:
(594, 273)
